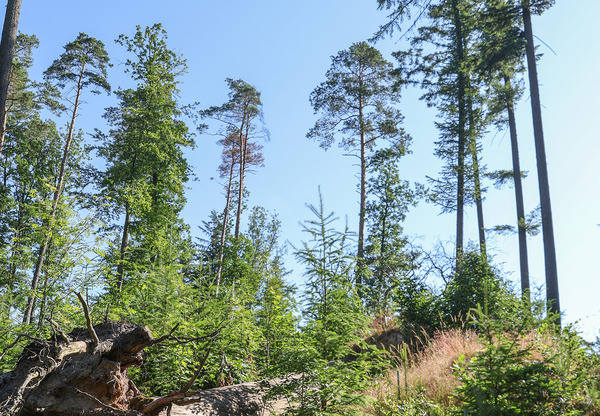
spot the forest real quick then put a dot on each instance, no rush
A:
(123, 292)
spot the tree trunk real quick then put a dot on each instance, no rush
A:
(224, 227)
(123, 248)
(243, 143)
(476, 178)
(363, 199)
(523, 260)
(75, 376)
(460, 168)
(57, 192)
(7, 48)
(552, 295)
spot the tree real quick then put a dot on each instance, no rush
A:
(230, 160)
(243, 121)
(452, 89)
(501, 52)
(474, 284)
(29, 161)
(146, 170)
(386, 252)
(552, 295)
(82, 65)
(355, 103)
(7, 46)
(333, 310)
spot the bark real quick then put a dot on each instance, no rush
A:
(224, 227)
(552, 295)
(243, 144)
(460, 188)
(523, 260)
(70, 376)
(123, 249)
(85, 373)
(59, 187)
(7, 48)
(363, 197)
(476, 178)
(125, 236)
(241, 399)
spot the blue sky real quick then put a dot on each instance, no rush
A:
(283, 48)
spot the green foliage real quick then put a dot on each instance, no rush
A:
(332, 308)
(145, 166)
(515, 375)
(317, 387)
(419, 405)
(355, 101)
(474, 283)
(388, 255)
(330, 374)
(84, 64)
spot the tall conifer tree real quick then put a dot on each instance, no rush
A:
(356, 106)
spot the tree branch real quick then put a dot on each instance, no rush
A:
(88, 321)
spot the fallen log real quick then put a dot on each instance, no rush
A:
(78, 375)
(245, 399)
(85, 373)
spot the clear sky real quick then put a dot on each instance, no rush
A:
(283, 48)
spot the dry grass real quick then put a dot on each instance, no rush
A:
(429, 372)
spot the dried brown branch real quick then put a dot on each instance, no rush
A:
(154, 407)
(164, 337)
(57, 328)
(113, 410)
(88, 321)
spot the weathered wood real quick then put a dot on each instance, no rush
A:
(247, 399)
(79, 377)
(85, 373)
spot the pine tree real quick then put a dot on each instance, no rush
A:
(227, 169)
(552, 295)
(500, 49)
(242, 120)
(82, 65)
(355, 104)
(332, 310)
(387, 254)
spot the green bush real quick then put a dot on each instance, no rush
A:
(522, 372)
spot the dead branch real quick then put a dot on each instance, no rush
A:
(56, 328)
(164, 337)
(155, 407)
(10, 346)
(100, 403)
(88, 321)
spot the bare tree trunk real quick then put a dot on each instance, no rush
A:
(57, 192)
(7, 48)
(243, 143)
(224, 227)
(476, 178)
(552, 295)
(460, 188)
(523, 260)
(363, 199)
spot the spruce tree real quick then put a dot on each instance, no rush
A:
(552, 295)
